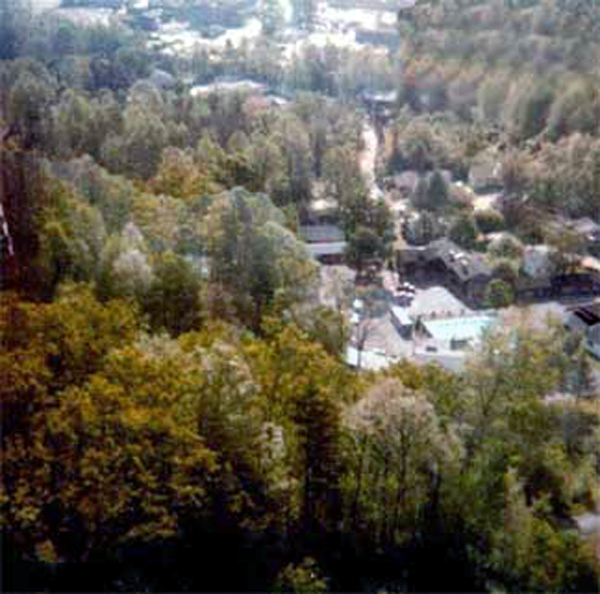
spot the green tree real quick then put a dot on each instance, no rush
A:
(125, 269)
(399, 451)
(111, 195)
(180, 176)
(298, 167)
(432, 193)
(173, 297)
(498, 294)
(343, 180)
(302, 578)
(532, 109)
(417, 146)
(73, 125)
(253, 256)
(138, 151)
(317, 419)
(47, 347)
(117, 461)
(422, 228)
(28, 103)
(568, 245)
(489, 220)
(71, 237)
(512, 371)
(491, 96)
(364, 246)
(507, 270)
(506, 247)
(464, 232)
(528, 551)
(577, 109)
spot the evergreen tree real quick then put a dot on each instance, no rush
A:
(498, 293)
(317, 418)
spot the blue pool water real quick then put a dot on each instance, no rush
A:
(466, 328)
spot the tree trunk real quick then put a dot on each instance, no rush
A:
(357, 489)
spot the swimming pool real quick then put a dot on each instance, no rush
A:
(463, 328)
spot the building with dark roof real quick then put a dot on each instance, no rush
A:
(586, 319)
(443, 262)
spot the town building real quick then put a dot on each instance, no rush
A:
(586, 319)
(442, 262)
(402, 321)
(326, 243)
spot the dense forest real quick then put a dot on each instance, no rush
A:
(177, 414)
(524, 71)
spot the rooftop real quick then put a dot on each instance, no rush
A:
(465, 265)
(321, 233)
(329, 248)
(435, 301)
(369, 360)
(469, 328)
(589, 314)
(401, 315)
(228, 86)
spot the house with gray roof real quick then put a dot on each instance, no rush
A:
(586, 319)
(443, 262)
(326, 243)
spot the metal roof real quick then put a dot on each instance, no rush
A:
(321, 233)
(335, 248)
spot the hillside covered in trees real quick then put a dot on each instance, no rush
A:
(527, 73)
(177, 412)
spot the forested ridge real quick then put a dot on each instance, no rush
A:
(527, 73)
(177, 414)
